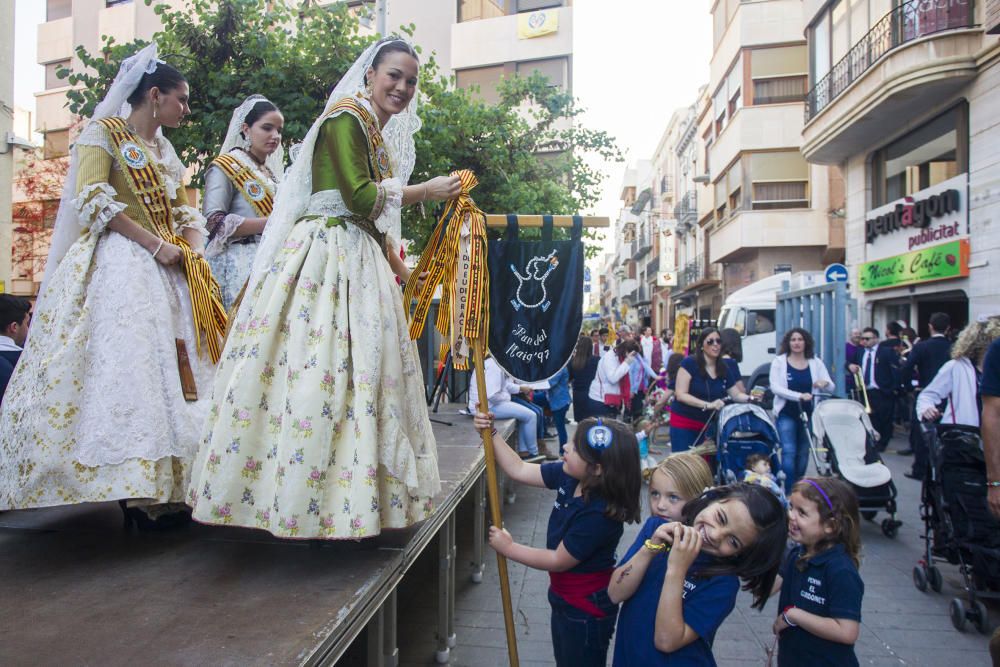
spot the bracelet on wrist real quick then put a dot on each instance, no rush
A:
(158, 248)
(993, 483)
(654, 547)
(784, 616)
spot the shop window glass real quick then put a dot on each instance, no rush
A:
(925, 157)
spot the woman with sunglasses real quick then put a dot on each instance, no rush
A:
(703, 381)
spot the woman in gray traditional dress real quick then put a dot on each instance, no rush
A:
(239, 192)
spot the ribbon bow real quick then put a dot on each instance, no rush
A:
(455, 258)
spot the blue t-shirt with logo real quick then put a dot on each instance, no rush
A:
(828, 585)
(707, 603)
(588, 535)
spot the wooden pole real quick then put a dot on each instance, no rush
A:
(497, 220)
(493, 493)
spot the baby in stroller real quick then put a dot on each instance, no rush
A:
(758, 471)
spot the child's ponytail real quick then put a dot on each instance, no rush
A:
(758, 564)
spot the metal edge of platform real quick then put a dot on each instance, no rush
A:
(333, 647)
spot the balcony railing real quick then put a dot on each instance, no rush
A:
(909, 21)
(686, 211)
(696, 271)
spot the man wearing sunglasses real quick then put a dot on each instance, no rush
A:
(880, 370)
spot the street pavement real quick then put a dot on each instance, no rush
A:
(900, 625)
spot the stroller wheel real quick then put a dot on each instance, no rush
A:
(934, 578)
(919, 578)
(957, 612)
(868, 515)
(979, 617)
(890, 528)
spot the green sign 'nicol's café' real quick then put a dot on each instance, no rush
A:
(940, 262)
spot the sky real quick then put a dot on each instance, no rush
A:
(634, 63)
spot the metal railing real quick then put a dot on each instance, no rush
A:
(686, 210)
(693, 272)
(909, 21)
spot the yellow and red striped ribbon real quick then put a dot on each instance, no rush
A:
(151, 193)
(463, 316)
(238, 173)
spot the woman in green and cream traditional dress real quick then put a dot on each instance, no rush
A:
(319, 428)
(111, 391)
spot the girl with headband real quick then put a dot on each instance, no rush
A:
(597, 490)
(821, 590)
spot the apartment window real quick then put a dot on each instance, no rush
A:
(779, 74)
(531, 5)
(779, 180)
(112, 3)
(934, 152)
(52, 79)
(474, 10)
(486, 78)
(58, 9)
(726, 100)
(554, 69)
(56, 144)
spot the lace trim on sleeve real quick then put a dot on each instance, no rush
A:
(96, 206)
(386, 212)
(224, 225)
(186, 217)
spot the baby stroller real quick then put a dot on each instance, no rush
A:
(958, 526)
(843, 444)
(745, 429)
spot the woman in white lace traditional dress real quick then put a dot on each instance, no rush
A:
(239, 192)
(95, 410)
(319, 428)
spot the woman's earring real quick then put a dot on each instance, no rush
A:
(244, 142)
(369, 90)
(155, 105)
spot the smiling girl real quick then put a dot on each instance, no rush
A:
(692, 574)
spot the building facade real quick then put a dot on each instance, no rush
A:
(6, 126)
(904, 102)
(771, 211)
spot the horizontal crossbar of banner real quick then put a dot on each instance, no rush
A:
(498, 220)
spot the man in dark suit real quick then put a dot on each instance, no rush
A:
(879, 367)
(926, 359)
(15, 314)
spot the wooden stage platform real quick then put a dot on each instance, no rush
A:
(76, 589)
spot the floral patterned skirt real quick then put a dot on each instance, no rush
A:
(95, 410)
(231, 268)
(318, 427)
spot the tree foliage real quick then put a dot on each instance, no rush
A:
(526, 150)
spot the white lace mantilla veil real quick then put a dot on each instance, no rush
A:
(69, 226)
(296, 187)
(276, 160)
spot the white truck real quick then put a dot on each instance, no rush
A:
(751, 311)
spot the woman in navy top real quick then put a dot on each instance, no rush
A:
(597, 489)
(795, 373)
(702, 382)
(821, 589)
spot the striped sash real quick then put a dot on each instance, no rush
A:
(378, 156)
(147, 185)
(255, 192)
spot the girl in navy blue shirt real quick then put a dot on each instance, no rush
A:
(679, 580)
(821, 589)
(597, 489)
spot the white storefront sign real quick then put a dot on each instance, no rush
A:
(667, 275)
(934, 215)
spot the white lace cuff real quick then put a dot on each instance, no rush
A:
(220, 238)
(187, 217)
(386, 212)
(96, 206)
